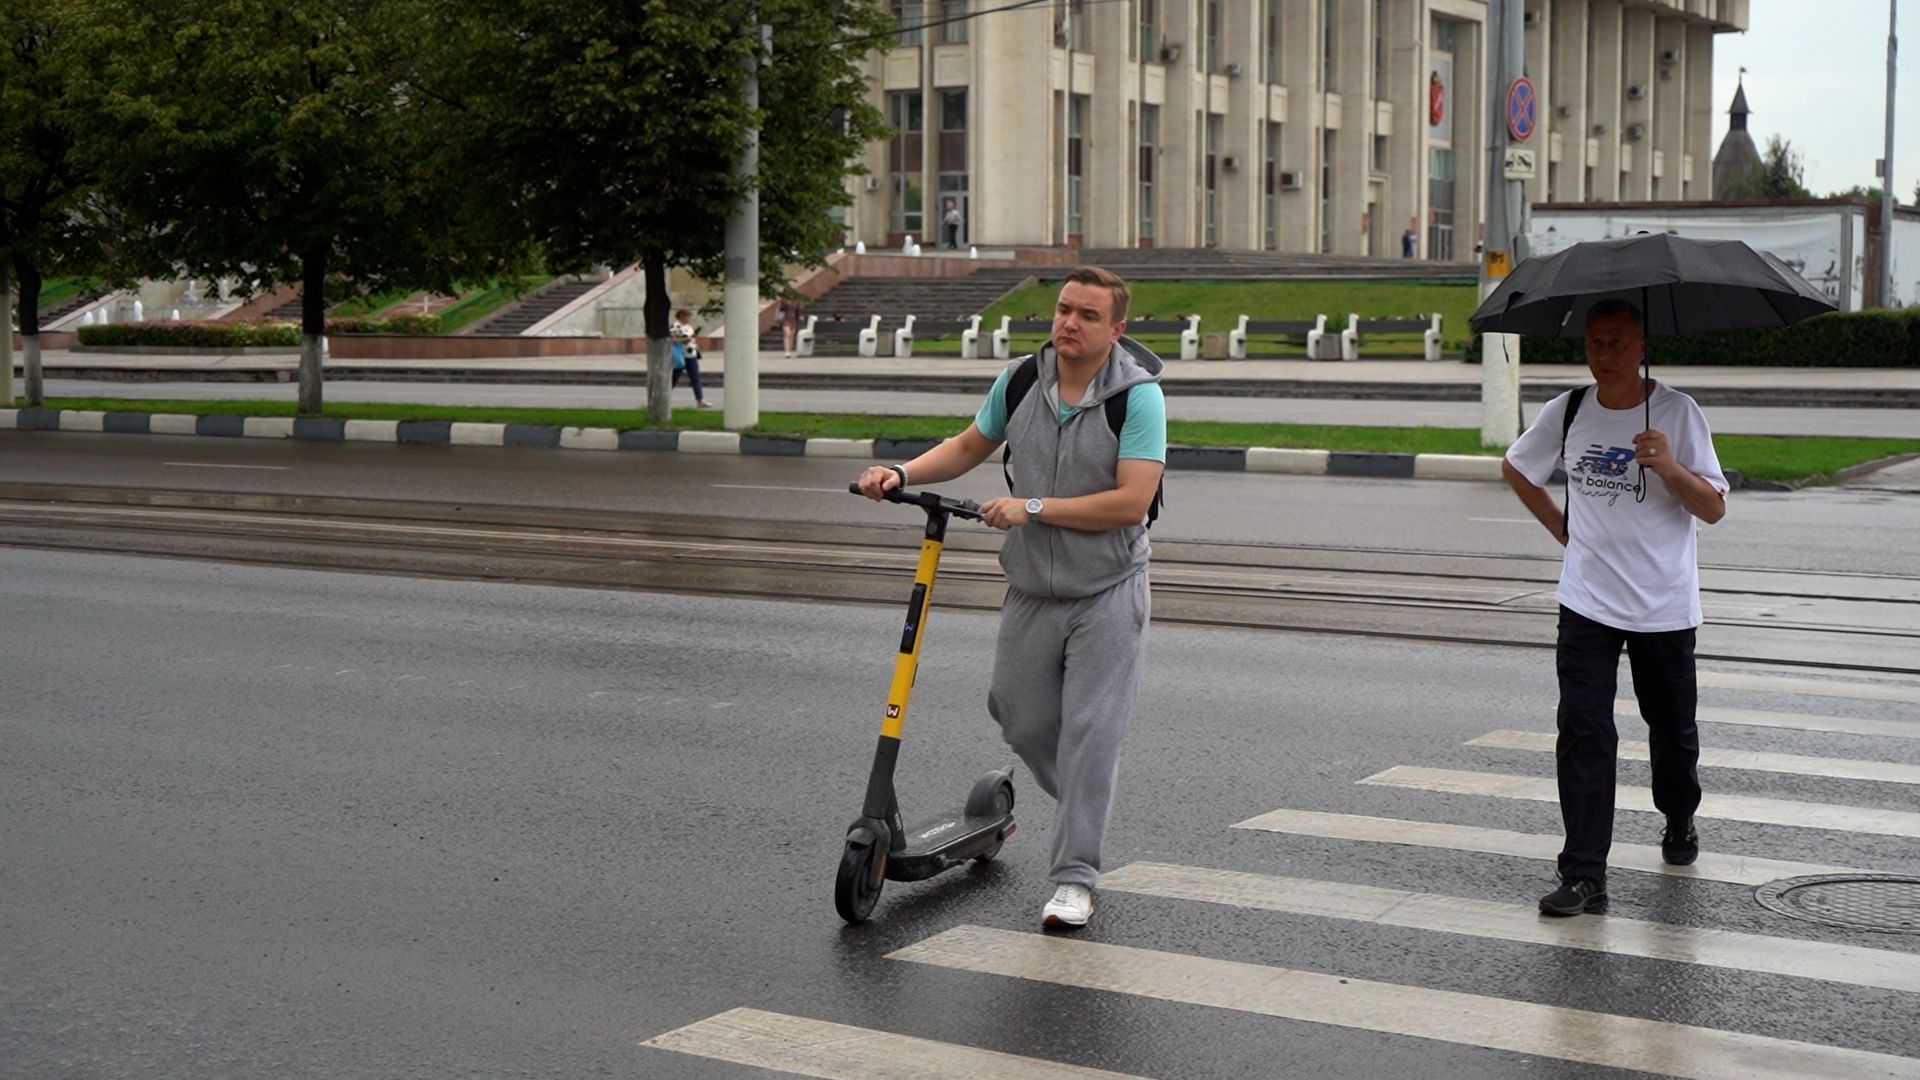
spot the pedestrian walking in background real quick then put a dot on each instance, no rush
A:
(952, 221)
(1641, 471)
(1409, 243)
(790, 313)
(1085, 427)
(686, 355)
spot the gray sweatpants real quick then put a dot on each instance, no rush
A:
(1064, 676)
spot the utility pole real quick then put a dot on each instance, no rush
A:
(1507, 213)
(1886, 168)
(741, 290)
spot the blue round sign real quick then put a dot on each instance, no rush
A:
(1523, 109)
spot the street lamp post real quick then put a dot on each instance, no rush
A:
(1506, 221)
(740, 293)
(1886, 169)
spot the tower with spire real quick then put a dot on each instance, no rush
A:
(1737, 158)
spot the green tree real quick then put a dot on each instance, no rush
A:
(278, 143)
(614, 126)
(50, 62)
(1781, 174)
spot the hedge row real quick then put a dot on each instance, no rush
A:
(1840, 339)
(187, 334)
(233, 335)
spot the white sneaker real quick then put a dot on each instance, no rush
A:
(1070, 908)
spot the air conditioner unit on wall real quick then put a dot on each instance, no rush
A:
(873, 183)
(1599, 129)
(1231, 71)
(1170, 52)
(1636, 92)
(1230, 163)
(1670, 56)
(1531, 18)
(1565, 111)
(1636, 132)
(1290, 179)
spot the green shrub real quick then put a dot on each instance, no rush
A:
(188, 334)
(1840, 339)
(415, 323)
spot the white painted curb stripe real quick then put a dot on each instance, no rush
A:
(9, 419)
(82, 420)
(1729, 680)
(1549, 1031)
(267, 427)
(709, 442)
(1844, 725)
(1886, 772)
(371, 431)
(840, 448)
(795, 1044)
(1282, 460)
(589, 438)
(1710, 866)
(1802, 815)
(174, 424)
(1824, 961)
(1457, 467)
(462, 433)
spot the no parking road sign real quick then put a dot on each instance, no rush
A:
(1523, 108)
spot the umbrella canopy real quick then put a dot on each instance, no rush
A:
(1682, 286)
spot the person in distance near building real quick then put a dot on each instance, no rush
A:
(1641, 471)
(1086, 432)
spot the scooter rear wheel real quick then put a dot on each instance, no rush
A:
(863, 870)
(992, 796)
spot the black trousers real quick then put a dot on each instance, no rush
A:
(1588, 661)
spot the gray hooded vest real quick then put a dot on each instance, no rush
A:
(1050, 459)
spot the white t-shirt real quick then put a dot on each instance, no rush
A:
(1630, 564)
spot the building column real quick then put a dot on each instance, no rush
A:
(1638, 72)
(1300, 140)
(1013, 144)
(1406, 202)
(1606, 92)
(1667, 134)
(1564, 113)
(1698, 142)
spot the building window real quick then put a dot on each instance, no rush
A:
(1444, 33)
(908, 15)
(1326, 191)
(1270, 67)
(1212, 14)
(1586, 185)
(1076, 164)
(1269, 182)
(1379, 49)
(953, 22)
(1073, 31)
(1329, 14)
(1149, 140)
(1379, 153)
(904, 162)
(1210, 180)
(1439, 203)
(952, 184)
(1149, 30)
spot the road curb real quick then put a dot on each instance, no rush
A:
(1267, 459)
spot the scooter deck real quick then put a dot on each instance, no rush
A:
(942, 842)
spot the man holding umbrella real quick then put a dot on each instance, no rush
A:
(1641, 472)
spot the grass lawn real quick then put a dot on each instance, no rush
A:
(1221, 303)
(1765, 457)
(487, 301)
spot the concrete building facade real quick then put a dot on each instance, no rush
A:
(1288, 125)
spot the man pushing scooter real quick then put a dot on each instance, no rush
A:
(1086, 432)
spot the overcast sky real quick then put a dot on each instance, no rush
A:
(1816, 76)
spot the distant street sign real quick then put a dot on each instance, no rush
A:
(1522, 163)
(1523, 109)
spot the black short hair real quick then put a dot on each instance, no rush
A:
(1613, 308)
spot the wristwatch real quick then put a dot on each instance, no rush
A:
(1033, 509)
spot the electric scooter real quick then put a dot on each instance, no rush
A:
(878, 846)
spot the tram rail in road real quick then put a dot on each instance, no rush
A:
(1860, 621)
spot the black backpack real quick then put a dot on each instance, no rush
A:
(1022, 380)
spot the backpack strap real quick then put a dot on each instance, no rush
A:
(1566, 425)
(1117, 419)
(1022, 380)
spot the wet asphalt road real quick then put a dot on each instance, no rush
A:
(274, 822)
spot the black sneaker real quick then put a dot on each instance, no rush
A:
(1574, 896)
(1679, 845)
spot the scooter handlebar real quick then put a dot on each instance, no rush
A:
(930, 500)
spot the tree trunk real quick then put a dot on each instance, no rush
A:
(313, 328)
(6, 337)
(656, 309)
(30, 332)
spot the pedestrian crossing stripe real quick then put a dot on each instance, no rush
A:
(1795, 958)
(795, 1044)
(1886, 772)
(1805, 815)
(1547, 1031)
(1842, 725)
(1710, 866)
(1777, 684)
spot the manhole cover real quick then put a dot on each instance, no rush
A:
(1886, 902)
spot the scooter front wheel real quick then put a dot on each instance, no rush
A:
(863, 870)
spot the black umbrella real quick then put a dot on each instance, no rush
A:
(1681, 286)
